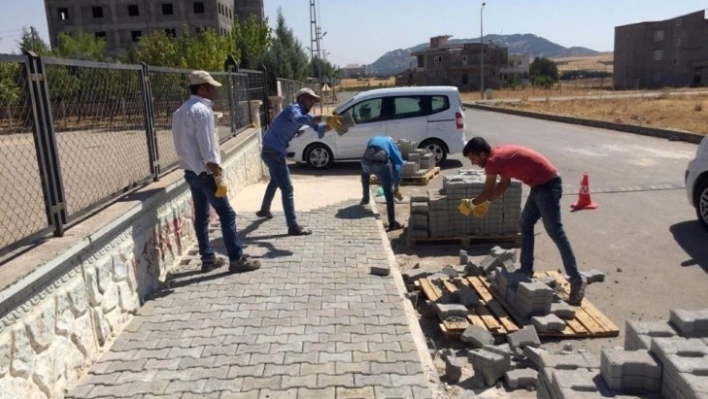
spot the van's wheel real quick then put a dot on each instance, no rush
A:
(437, 147)
(701, 201)
(318, 156)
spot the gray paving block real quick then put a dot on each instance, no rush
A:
(503, 350)
(468, 296)
(490, 366)
(578, 384)
(463, 257)
(414, 275)
(548, 322)
(447, 310)
(533, 354)
(453, 368)
(520, 378)
(690, 323)
(563, 310)
(477, 336)
(535, 289)
(630, 371)
(527, 336)
(568, 361)
(593, 276)
(638, 334)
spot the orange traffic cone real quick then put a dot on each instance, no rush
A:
(584, 201)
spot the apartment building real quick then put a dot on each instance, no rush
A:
(669, 53)
(245, 8)
(352, 71)
(122, 22)
(459, 65)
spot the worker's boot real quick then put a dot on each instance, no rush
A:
(577, 290)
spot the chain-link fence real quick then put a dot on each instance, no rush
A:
(76, 135)
(287, 88)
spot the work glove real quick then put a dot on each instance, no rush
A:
(397, 193)
(481, 210)
(468, 208)
(221, 188)
(334, 121)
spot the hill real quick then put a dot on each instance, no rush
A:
(399, 60)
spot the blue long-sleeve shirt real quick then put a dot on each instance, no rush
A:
(394, 154)
(283, 128)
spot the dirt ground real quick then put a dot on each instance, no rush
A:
(686, 113)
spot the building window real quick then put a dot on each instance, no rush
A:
(167, 9)
(437, 59)
(231, 14)
(133, 10)
(198, 7)
(676, 61)
(677, 42)
(135, 35)
(658, 55)
(171, 32)
(679, 22)
(63, 14)
(100, 35)
(659, 36)
(97, 12)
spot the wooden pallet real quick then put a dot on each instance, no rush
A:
(466, 241)
(420, 178)
(499, 318)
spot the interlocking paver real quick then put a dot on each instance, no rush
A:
(311, 323)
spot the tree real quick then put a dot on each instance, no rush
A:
(320, 68)
(80, 45)
(285, 57)
(206, 50)
(543, 72)
(30, 40)
(252, 40)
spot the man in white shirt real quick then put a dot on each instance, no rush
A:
(198, 150)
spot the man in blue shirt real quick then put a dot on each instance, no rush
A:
(275, 143)
(383, 159)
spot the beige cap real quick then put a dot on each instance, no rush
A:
(306, 91)
(202, 77)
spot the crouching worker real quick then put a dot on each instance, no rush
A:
(383, 159)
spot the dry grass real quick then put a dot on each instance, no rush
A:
(368, 82)
(687, 113)
(600, 62)
(575, 88)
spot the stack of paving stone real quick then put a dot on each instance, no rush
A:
(659, 360)
(416, 159)
(444, 219)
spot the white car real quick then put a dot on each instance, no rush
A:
(431, 116)
(697, 182)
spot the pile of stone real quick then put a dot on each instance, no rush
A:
(416, 159)
(659, 360)
(437, 214)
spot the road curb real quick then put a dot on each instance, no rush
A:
(429, 369)
(675, 135)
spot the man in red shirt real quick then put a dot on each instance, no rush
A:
(543, 202)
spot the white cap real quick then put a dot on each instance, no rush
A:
(202, 77)
(306, 91)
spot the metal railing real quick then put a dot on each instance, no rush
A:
(77, 135)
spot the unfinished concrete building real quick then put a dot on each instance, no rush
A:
(669, 53)
(459, 65)
(122, 22)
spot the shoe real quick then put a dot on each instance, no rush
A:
(211, 264)
(244, 265)
(577, 291)
(526, 273)
(364, 202)
(299, 231)
(264, 214)
(395, 226)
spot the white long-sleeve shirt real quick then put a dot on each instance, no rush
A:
(193, 134)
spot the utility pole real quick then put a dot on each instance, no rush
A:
(481, 51)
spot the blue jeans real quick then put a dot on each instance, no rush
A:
(544, 203)
(203, 188)
(279, 179)
(384, 174)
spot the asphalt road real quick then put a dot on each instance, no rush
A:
(644, 234)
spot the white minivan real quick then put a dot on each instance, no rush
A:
(697, 182)
(431, 116)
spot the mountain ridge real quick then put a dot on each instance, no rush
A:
(396, 61)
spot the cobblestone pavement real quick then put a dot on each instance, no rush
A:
(311, 323)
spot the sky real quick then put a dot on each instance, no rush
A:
(360, 31)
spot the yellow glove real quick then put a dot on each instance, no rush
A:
(465, 207)
(397, 193)
(481, 209)
(334, 121)
(221, 188)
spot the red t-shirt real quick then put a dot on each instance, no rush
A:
(520, 163)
